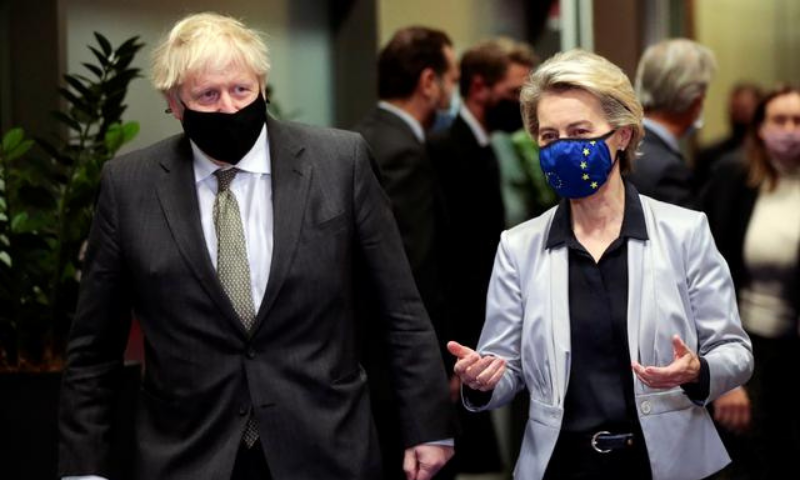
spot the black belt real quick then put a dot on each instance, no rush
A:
(602, 441)
(605, 442)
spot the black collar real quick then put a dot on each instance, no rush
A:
(633, 224)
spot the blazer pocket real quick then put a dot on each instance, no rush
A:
(325, 228)
(356, 375)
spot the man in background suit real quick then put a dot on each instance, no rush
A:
(234, 245)
(416, 76)
(671, 82)
(492, 75)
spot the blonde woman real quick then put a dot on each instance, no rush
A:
(614, 310)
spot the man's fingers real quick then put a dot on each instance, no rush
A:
(410, 464)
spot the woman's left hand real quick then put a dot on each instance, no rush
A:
(685, 368)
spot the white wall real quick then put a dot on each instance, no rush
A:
(755, 41)
(466, 21)
(296, 32)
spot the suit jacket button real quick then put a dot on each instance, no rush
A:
(251, 353)
(243, 411)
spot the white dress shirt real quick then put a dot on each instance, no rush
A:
(477, 129)
(412, 122)
(252, 188)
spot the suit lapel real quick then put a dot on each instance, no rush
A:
(177, 193)
(291, 176)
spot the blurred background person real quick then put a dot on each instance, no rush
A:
(607, 284)
(753, 207)
(417, 73)
(671, 81)
(742, 102)
(492, 74)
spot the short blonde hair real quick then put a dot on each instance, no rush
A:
(581, 70)
(207, 41)
(673, 74)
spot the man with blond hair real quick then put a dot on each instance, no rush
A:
(672, 79)
(234, 244)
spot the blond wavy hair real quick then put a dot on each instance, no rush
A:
(581, 70)
(207, 41)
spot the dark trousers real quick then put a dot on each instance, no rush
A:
(575, 459)
(251, 464)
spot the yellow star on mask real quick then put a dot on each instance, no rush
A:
(586, 176)
(585, 152)
(584, 166)
(592, 143)
(594, 185)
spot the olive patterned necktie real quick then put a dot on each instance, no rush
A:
(233, 268)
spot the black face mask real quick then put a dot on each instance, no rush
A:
(226, 137)
(505, 116)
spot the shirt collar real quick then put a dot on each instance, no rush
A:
(633, 223)
(257, 160)
(477, 130)
(412, 122)
(662, 133)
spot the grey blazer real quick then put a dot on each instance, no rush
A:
(678, 284)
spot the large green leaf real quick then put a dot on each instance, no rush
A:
(79, 87)
(19, 150)
(94, 69)
(104, 43)
(12, 139)
(129, 131)
(100, 58)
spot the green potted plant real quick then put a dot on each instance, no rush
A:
(47, 197)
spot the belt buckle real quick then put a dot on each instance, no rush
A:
(594, 441)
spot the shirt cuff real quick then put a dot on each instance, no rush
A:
(84, 477)
(698, 391)
(475, 398)
(447, 442)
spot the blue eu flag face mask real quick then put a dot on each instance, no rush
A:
(577, 167)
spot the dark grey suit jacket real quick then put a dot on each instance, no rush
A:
(298, 371)
(409, 179)
(662, 173)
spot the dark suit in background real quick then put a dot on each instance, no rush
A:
(661, 172)
(469, 175)
(408, 177)
(299, 368)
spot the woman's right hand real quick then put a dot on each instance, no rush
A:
(476, 372)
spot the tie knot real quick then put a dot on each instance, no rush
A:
(225, 177)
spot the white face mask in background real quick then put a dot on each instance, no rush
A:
(783, 147)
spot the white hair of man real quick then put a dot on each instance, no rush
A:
(207, 42)
(673, 74)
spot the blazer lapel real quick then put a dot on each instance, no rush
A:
(291, 176)
(642, 314)
(177, 194)
(559, 298)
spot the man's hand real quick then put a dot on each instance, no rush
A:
(732, 410)
(476, 372)
(423, 461)
(455, 389)
(685, 368)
